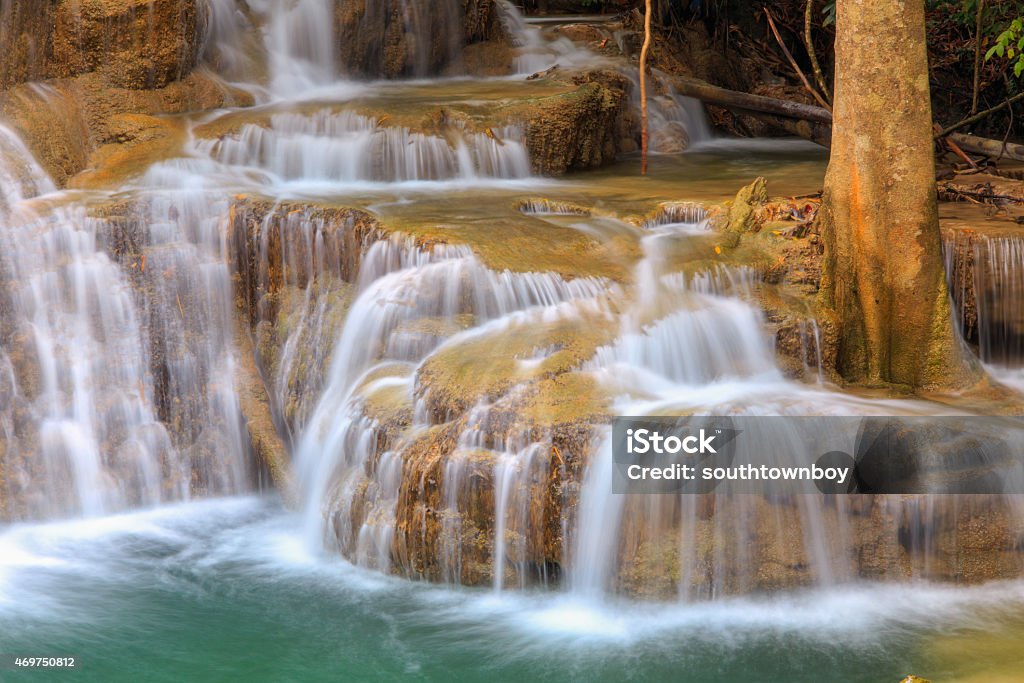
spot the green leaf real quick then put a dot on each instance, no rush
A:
(829, 14)
(1018, 68)
(990, 53)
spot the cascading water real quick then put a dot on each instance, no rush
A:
(348, 148)
(299, 44)
(987, 284)
(63, 303)
(128, 314)
(401, 287)
(676, 122)
(537, 51)
(232, 46)
(80, 387)
(442, 339)
(711, 355)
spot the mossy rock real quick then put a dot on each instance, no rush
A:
(485, 366)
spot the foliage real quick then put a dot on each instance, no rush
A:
(1010, 45)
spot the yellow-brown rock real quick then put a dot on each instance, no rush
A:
(134, 44)
(65, 121)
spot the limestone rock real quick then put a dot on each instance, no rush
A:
(390, 38)
(135, 43)
(576, 130)
(26, 31)
(64, 123)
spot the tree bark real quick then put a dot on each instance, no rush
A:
(882, 274)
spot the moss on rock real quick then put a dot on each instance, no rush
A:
(576, 130)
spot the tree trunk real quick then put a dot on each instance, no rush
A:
(882, 274)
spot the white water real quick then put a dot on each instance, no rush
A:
(300, 44)
(399, 286)
(537, 51)
(344, 148)
(216, 568)
(681, 344)
(676, 122)
(994, 279)
(256, 536)
(66, 305)
(81, 415)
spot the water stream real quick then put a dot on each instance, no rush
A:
(120, 405)
(202, 591)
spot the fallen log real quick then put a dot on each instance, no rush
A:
(990, 148)
(758, 104)
(815, 123)
(815, 131)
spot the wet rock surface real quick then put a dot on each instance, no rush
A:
(577, 130)
(140, 44)
(136, 44)
(393, 39)
(77, 123)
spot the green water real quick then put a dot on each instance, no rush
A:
(225, 591)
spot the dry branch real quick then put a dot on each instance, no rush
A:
(645, 135)
(792, 62)
(980, 115)
(811, 54)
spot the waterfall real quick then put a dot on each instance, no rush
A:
(313, 45)
(401, 288)
(345, 147)
(128, 399)
(121, 317)
(299, 40)
(986, 281)
(676, 122)
(232, 47)
(76, 415)
(536, 51)
(21, 177)
(708, 354)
